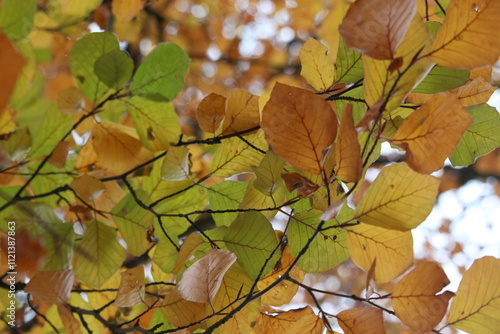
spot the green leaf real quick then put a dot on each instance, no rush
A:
(349, 64)
(251, 237)
(82, 60)
(359, 107)
(165, 253)
(162, 72)
(442, 79)
(59, 246)
(134, 222)
(51, 130)
(327, 250)
(226, 195)
(156, 122)
(16, 17)
(269, 173)
(114, 68)
(480, 138)
(100, 254)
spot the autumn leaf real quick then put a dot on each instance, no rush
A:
(476, 91)
(12, 64)
(398, 199)
(201, 281)
(71, 325)
(268, 174)
(414, 298)
(348, 151)
(299, 125)
(88, 187)
(469, 26)
(132, 289)
(376, 28)
(296, 321)
(126, 10)
(242, 112)
(299, 183)
(175, 166)
(188, 248)
(181, 312)
(391, 249)
(226, 195)
(431, 133)
(476, 305)
(442, 79)
(211, 111)
(317, 65)
(53, 287)
(361, 320)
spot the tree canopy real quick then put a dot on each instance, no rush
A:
(178, 166)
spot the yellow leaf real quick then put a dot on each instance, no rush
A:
(283, 292)
(414, 298)
(431, 133)
(211, 111)
(181, 312)
(235, 284)
(392, 250)
(377, 27)
(175, 166)
(328, 30)
(379, 81)
(254, 199)
(317, 64)
(242, 112)
(132, 289)
(366, 320)
(53, 287)
(469, 36)
(299, 321)
(476, 306)
(117, 147)
(126, 10)
(268, 174)
(299, 125)
(11, 65)
(348, 151)
(201, 281)
(188, 248)
(88, 187)
(398, 199)
(476, 91)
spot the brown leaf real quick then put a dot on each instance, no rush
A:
(348, 150)
(431, 133)
(242, 112)
(377, 27)
(11, 65)
(299, 321)
(303, 185)
(299, 125)
(201, 281)
(88, 187)
(70, 323)
(210, 112)
(132, 288)
(414, 298)
(53, 286)
(59, 154)
(366, 320)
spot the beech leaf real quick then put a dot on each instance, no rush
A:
(414, 298)
(298, 321)
(88, 187)
(365, 320)
(242, 112)
(211, 111)
(431, 133)
(114, 68)
(477, 91)
(398, 199)
(377, 27)
(299, 125)
(132, 289)
(53, 287)
(11, 65)
(469, 26)
(201, 281)
(175, 166)
(348, 151)
(268, 174)
(126, 10)
(299, 183)
(476, 305)
(181, 312)
(317, 65)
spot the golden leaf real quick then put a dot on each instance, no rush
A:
(88, 187)
(126, 10)
(431, 133)
(476, 306)
(299, 125)
(469, 36)
(366, 320)
(317, 65)
(476, 91)
(242, 112)
(53, 287)
(181, 312)
(377, 27)
(298, 321)
(211, 111)
(348, 151)
(132, 289)
(414, 298)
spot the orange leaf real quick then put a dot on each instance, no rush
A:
(126, 10)
(348, 151)
(377, 27)
(299, 125)
(297, 321)
(53, 287)
(87, 187)
(414, 298)
(476, 91)
(11, 65)
(210, 112)
(469, 36)
(366, 320)
(303, 185)
(59, 154)
(132, 288)
(431, 133)
(242, 112)
(201, 281)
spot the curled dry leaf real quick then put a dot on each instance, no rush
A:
(53, 287)
(302, 184)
